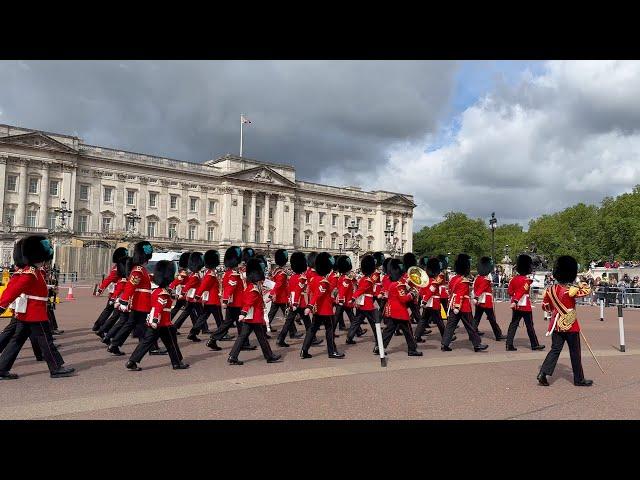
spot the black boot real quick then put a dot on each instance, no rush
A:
(336, 355)
(538, 347)
(274, 358)
(62, 372)
(181, 366)
(234, 361)
(193, 337)
(305, 355)
(213, 345)
(8, 376)
(133, 366)
(113, 349)
(542, 379)
(480, 347)
(282, 344)
(583, 383)
(160, 351)
(415, 353)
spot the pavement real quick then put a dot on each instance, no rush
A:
(461, 384)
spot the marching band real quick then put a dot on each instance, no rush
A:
(315, 291)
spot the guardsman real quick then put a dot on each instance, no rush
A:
(384, 284)
(232, 290)
(410, 260)
(193, 308)
(344, 299)
(363, 296)
(518, 289)
(444, 286)
(136, 299)
(297, 297)
(112, 278)
(377, 277)
(460, 289)
(333, 277)
(560, 300)
(208, 293)
(30, 293)
(396, 309)
(483, 297)
(177, 285)
(252, 314)
(279, 293)
(430, 299)
(321, 308)
(158, 323)
(115, 295)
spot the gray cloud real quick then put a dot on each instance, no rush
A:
(340, 116)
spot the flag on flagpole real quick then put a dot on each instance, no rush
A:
(244, 119)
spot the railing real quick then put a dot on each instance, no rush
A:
(627, 297)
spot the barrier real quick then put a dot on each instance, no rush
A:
(621, 328)
(70, 293)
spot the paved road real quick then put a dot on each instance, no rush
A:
(460, 384)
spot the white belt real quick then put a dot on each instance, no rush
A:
(166, 309)
(143, 290)
(33, 297)
(368, 294)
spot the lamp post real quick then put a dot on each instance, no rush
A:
(132, 219)
(355, 248)
(340, 248)
(268, 248)
(63, 213)
(390, 234)
(492, 224)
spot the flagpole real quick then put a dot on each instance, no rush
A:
(241, 123)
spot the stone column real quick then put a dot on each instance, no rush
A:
(287, 229)
(410, 233)
(225, 216)
(20, 211)
(265, 220)
(236, 230)
(3, 175)
(278, 221)
(44, 196)
(379, 228)
(252, 219)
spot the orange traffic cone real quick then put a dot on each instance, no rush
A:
(70, 294)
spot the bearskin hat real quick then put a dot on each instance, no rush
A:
(395, 269)
(323, 264)
(409, 260)
(368, 265)
(128, 266)
(433, 267)
(18, 260)
(119, 253)
(196, 261)
(485, 265)
(344, 264)
(263, 261)
(334, 262)
(462, 265)
(255, 271)
(422, 261)
(281, 256)
(36, 249)
(211, 259)
(379, 256)
(298, 262)
(385, 263)
(232, 257)
(524, 264)
(566, 269)
(121, 266)
(311, 259)
(142, 252)
(247, 253)
(164, 273)
(184, 260)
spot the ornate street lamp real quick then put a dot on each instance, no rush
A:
(132, 218)
(389, 235)
(492, 224)
(355, 248)
(268, 248)
(63, 213)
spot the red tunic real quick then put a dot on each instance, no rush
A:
(444, 292)
(333, 278)
(312, 279)
(430, 296)
(298, 290)
(113, 277)
(345, 290)
(179, 281)
(137, 291)
(232, 288)
(161, 306)
(321, 300)
(567, 296)
(191, 286)
(386, 282)
(253, 304)
(459, 287)
(211, 286)
(279, 292)
(483, 291)
(519, 291)
(398, 301)
(119, 289)
(364, 294)
(31, 282)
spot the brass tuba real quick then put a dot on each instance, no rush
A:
(418, 277)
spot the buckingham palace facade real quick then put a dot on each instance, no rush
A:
(98, 196)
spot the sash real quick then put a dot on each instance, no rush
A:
(566, 316)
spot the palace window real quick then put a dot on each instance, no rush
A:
(257, 236)
(153, 199)
(320, 218)
(84, 192)
(358, 220)
(334, 220)
(193, 229)
(173, 202)
(106, 224)
(33, 185)
(370, 244)
(258, 210)
(320, 242)
(307, 217)
(54, 187)
(173, 230)
(212, 206)
(370, 224)
(108, 195)
(346, 221)
(131, 197)
(211, 233)
(83, 223)
(32, 216)
(51, 220)
(334, 243)
(193, 204)
(306, 241)
(10, 216)
(12, 183)
(151, 229)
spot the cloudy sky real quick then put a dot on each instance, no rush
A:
(515, 137)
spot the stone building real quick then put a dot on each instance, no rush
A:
(116, 197)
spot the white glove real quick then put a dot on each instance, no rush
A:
(456, 311)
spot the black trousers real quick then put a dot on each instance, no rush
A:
(415, 312)
(289, 324)
(370, 315)
(429, 315)
(215, 310)
(467, 321)
(39, 333)
(53, 321)
(104, 315)
(7, 333)
(120, 320)
(136, 322)
(149, 341)
(110, 322)
(316, 322)
(274, 310)
(491, 316)
(176, 308)
(230, 319)
(191, 309)
(340, 311)
(513, 326)
(243, 337)
(390, 330)
(557, 343)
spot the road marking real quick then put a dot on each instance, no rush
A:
(141, 397)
